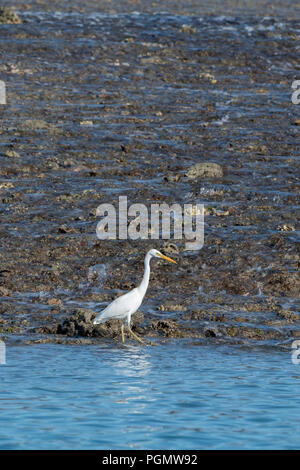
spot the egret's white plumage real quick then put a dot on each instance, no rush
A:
(123, 307)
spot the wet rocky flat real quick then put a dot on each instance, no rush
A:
(169, 103)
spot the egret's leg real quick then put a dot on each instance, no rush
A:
(135, 336)
(122, 332)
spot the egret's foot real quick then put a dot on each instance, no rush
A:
(148, 343)
(136, 337)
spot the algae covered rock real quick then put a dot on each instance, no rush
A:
(34, 124)
(80, 323)
(9, 16)
(205, 170)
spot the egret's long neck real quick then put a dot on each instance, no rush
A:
(145, 281)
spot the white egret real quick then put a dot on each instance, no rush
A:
(125, 305)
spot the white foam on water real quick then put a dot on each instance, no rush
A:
(98, 271)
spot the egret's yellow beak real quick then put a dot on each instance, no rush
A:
(166, 258)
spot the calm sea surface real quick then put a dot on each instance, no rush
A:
(172, 396)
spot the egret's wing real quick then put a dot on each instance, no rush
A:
(118, 308)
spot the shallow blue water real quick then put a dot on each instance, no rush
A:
(172, 396)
